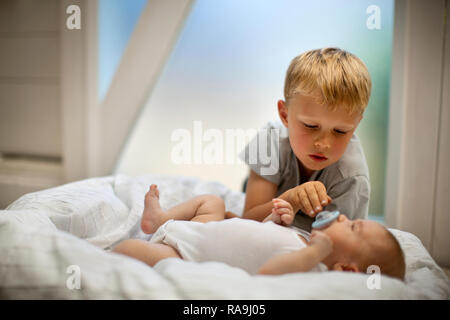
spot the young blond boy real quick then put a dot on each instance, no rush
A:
(315, 157)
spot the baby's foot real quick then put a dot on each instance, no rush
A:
(152, 215)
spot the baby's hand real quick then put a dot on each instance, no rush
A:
(322, 241)
(282, 212)
(311, 197)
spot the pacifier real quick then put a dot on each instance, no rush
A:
(324, 218)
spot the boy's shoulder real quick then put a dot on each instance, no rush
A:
(353, 162)
(278, 136)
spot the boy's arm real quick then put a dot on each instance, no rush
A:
(258, 198)
(259, 195)
(309, 197)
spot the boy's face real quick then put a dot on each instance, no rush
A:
(318, 136)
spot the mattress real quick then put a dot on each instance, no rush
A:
(55, 244)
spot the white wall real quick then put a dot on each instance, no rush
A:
(30, 112)
(30, 78)
(418, 176)
(441, 222)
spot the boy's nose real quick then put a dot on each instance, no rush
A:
(321, 146)
(322, 143)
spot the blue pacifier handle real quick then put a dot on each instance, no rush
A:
(324, 218)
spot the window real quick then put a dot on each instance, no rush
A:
(116, 21)
(227, 71)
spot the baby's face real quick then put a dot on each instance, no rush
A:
(317, 135)
(349, 235)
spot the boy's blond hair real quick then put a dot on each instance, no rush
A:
(340, 77)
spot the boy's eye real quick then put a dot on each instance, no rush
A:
(339, 131)
(309, 126)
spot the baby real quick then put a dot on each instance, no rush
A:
(195, 230)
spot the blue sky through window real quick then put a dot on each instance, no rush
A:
(117, 19)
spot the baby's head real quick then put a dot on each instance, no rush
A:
(326, 92)
(358, 244)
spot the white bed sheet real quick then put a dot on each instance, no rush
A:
(42, 234)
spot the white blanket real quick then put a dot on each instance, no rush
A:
(55, 244)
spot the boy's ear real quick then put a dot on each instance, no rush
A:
(282, 112)
(341, 266)
(361, 117)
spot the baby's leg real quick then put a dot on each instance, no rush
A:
(202, 208)
(150, 253)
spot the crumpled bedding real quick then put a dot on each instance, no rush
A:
(55, 243)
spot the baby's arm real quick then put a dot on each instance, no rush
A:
(302, 260)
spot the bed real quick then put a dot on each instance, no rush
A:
(55, 244)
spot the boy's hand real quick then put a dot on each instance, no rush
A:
(311, 197)
(282, 212)
(323, 243)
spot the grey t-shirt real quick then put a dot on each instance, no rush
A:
(270, 155)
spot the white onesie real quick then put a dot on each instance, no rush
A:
(242, 243)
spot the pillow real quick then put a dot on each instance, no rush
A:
(422, 272)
